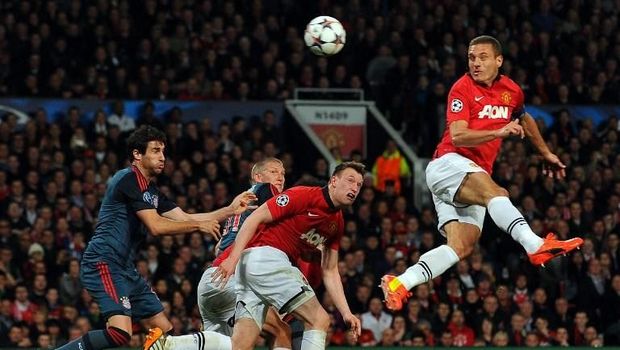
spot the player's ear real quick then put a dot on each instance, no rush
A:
(136, 154)
(500, 60)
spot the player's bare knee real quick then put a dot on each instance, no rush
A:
(283, 331)
(240, 342)
(494, 191)
(166, 326)
(466, 251)
(497, 191)
(462, 248)
(320, 320)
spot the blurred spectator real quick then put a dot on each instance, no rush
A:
(69, 285)
(377, 320)
(125, 123)
(390, 169)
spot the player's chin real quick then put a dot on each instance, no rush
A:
(477, 77)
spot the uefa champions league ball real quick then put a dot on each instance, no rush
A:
(325, 36)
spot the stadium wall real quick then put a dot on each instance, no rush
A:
(217, 111)
(224, 110)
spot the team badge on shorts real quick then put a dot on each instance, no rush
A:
(282, 200)
(456, 105)
(125, 302)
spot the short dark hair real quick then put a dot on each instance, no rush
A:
(487, 39)
(139, 139)
(358, 167)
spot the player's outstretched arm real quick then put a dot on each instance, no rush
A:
(463, 136)
(238, 205)
(533, 134)
(262, 215)
(333, 285)
(553, 166)
(159, 225)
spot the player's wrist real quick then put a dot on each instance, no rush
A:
(230, 210)
(546, 153)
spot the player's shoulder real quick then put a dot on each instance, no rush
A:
(264, 191)
(263, 187)
(308, 194)
(506, 81)
(304, 190)
(462, 86)
(130, 178)
(124, 176)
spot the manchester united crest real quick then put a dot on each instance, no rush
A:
(332, 227)
(333, 138)
(505, 97)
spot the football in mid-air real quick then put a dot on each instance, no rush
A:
(325, 36)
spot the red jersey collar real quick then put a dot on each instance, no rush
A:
(328, 199)
(142, 182)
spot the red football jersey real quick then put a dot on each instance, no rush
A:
(223, 255)
(312, 271)
(303, 218)
(484, 108)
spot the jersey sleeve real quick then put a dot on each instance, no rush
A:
(458, 104)
(165, 203)
(130, 193)
(519, 110)
(335, 242)
(288, 203)
(264, 192)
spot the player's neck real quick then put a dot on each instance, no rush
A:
(142, 171)
(489, 83)
(334, 204)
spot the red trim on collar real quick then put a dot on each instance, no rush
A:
(142, 182)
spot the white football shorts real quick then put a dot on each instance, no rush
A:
(216, 305)
(444, 176)
(266, 277)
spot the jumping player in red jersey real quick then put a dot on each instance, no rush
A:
(484, 107)
(298, 221)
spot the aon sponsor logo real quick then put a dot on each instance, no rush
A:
(313, 238)
(493, 112)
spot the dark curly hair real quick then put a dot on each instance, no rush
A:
(139, 139)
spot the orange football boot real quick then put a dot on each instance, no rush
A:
(553, 247)
(154, 339)
(394, 299)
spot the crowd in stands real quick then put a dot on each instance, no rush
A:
(406, 54)
(53, 175)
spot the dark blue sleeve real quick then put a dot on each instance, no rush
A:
(128, 191)
(165, 204)
(264, 192)
(518, 113)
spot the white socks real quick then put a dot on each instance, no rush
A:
(205, 340)
(313, 339)
(509, 219)
(431, 264)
